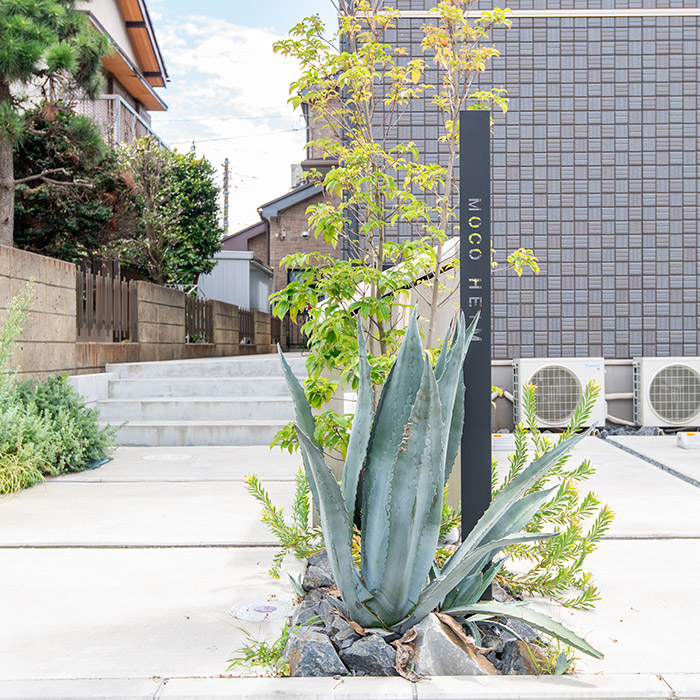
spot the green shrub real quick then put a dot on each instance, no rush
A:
(45, 426)
(77, 438)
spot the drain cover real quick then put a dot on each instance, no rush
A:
(172, 457)
(260, 610)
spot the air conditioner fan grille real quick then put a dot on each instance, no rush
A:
(674, 394)
(558, 393)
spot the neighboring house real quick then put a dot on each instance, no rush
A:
(282, 230)
(132, 71)
(238, 278)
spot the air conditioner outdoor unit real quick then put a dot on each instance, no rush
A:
(667, 391)
(560, 383)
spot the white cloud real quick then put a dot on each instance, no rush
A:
(228, 93)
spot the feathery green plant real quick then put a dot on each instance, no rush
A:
(297, 537)
(555, 566)
(407, 449)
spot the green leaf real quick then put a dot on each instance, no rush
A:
(438, 589)
(534, 619)
(361, 426)
(414, 506)
(392, 415)
(337, 535)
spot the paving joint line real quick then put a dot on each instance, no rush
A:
(653, 462)
(672, 693)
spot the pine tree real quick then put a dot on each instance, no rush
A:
(47, 50)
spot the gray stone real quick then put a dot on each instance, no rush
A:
(516, 660)
(440, 652)
(315, 610)
(310, 653)
(370, 656)
(341, 633)
(320, 560)
(523, 631)
(316, 577)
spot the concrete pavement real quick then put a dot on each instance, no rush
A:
(118, 583)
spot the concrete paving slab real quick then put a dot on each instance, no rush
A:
(686, 686)
(663, 448)
(647, 501)
(173, 464)
(648, 588)
(621, 687)
(72, 614)
(146, 513)
(290, 688)
(81, 689)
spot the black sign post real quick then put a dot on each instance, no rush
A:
(475, 295)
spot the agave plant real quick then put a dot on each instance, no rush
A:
(407, 449)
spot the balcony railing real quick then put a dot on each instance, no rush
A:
(118, 121)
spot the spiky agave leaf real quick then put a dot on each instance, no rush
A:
(531, 617)
(491, 520)
(304, 420)
(438, 589)
(337, 535)
(413, 507)
(361, 426)
(394, 408)
(451, 383)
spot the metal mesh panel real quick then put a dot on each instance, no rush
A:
(674, 394)
(558, 393)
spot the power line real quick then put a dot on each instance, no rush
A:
(233, 138)
(221, 119)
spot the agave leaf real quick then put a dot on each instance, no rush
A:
(452, 390)
(472, 588)
(438, 589)
(519, 514)
(534, 619)
(442, 357)
(393, 411)
(413, 528)
(508, 496)
(361, 426)
(304, 418)
(337, 535)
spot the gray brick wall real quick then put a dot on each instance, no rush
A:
(595, 167)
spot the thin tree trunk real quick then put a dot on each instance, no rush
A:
(7, 181)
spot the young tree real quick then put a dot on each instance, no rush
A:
(360, 87)
(176, 206)
(47, 49)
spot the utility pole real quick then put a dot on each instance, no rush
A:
(226, 196)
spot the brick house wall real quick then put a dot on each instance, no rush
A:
(285, 238)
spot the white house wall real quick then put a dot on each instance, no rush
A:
(109, 15)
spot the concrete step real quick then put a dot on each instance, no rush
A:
(245, 366)
(173, 387)
(279, 408)
(192, 433)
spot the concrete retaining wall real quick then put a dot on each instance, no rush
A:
(48, 344)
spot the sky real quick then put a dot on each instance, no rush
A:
(228, 91)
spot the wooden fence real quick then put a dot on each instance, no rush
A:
(106, 308)
(199, 320)
(275, 330)
(246, 332)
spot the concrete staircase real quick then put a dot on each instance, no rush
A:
(214, 401)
